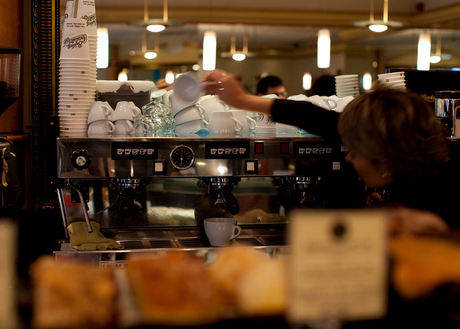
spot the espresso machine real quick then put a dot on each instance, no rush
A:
(153, 193)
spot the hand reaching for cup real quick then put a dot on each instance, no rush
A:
(230, 91)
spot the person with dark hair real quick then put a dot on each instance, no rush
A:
(394, 140)
(271, 85)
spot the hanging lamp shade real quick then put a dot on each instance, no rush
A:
(102, 61)
(423, 52)
(324, 49)
(209, 50)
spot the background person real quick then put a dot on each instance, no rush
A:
(271, 85)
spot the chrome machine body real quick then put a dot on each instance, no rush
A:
(119, 181)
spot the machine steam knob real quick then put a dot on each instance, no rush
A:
(80, 159)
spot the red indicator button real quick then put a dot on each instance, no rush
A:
(259, 148)
(284, 148)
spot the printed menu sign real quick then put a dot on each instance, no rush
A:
(338, 267)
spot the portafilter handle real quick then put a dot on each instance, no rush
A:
(230, 201)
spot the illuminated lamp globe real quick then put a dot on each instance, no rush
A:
(435, 59)
(239, 57)
(378, 28)
(155, 28)
(150, 55)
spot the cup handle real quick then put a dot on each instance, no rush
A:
(130, 127)
(236, 232)
(111, 128)
(251, 122)
(136, 111)
(333, 105)
(238, 126)
(200, 109)
(107, 110)
(225, 106)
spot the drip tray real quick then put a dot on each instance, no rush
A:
(187, 239)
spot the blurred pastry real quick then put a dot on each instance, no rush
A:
(71, 295)
(253, 282)
(174, 289)
(422, 264)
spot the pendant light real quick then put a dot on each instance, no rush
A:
(436, 58)
(378, 25)
(324, 49)
(423, 52)
(156, 25)
(239, 56)
(306, 81)
(209, 50)
(102, 48)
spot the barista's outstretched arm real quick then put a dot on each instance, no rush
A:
(231, 92)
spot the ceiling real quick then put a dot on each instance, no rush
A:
(277, 28)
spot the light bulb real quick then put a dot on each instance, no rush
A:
(306, 81)
(209, 50)
(324, 48)
(367, 81)
(102, 48)
(378, 28)
(423, 52)
(169, 77)
(435, 59)
(239, 57)
(155, 28)
(150, 55)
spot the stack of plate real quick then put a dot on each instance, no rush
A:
(394, 80)
(77, 89)
(347, 85)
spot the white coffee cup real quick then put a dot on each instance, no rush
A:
(194, 112)
(101, 127)
(300, 97)
(190, 126)
(212, 103)
(126, 111)
(332, 103)
(342, 102)
(99, 111)
(265, 121)
(249, 124)
(123, 127)
(224, 123)
(74, 44)
(317, 100)
(221, 230)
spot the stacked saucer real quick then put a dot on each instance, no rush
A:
(394, 80)
(347, 85)
(77, 89)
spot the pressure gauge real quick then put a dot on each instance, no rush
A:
(182, 157)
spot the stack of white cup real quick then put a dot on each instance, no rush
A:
(188, 115)
(76, 88)
(395, 80)
(347, 85)
(99, 120)
(87, 10)
(123, 118)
